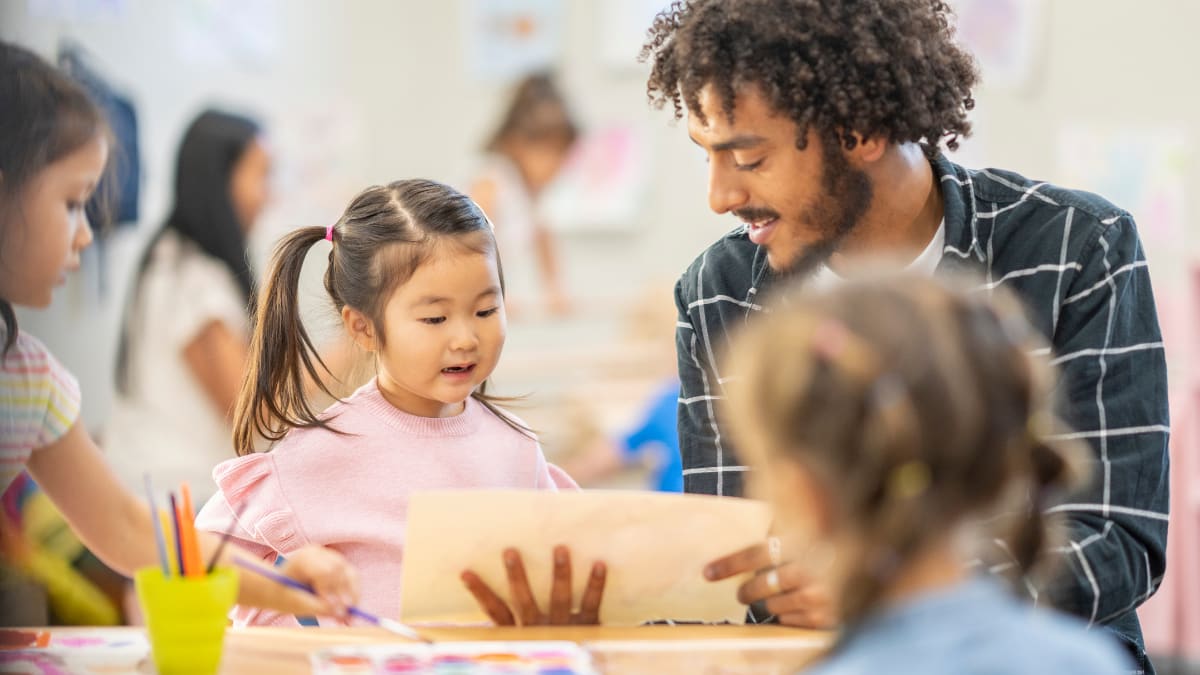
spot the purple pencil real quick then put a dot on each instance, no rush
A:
(178, 532)
(159, 540)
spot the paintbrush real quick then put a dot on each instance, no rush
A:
(384, 623)
(237, 516)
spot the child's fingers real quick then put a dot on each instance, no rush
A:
(491, 603)
(351, 589)
(593, 594)
(305, 604)
(560, 589)
(749, 559)
(522, 595)
(334, 579)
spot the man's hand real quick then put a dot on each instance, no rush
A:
(783, 588)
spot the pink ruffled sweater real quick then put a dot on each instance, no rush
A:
(350, 492)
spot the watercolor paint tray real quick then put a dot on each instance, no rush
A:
(94, 651)
(456, 658)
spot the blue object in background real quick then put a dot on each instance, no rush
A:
(659, 434)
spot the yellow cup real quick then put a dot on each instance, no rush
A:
(186, 618)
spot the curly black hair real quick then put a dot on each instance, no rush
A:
(843, 67)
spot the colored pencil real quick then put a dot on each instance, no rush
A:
(159, 541)
(191, 542)
(384, 623)
(178, 538)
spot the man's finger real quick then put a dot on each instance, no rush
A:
(814, 619)
(560, 589)
(749, 559)
(789, 577)
(811, 601)
(524, 606)
(593, 594)
(491, 603)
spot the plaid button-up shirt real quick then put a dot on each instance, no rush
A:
(1076, 262)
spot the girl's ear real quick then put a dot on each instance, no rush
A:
(360, 328)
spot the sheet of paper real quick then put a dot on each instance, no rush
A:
(655, 546)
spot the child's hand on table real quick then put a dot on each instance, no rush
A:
(334, 579)
(524, 610)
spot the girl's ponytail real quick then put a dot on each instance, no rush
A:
(1053, 470)
(282, 358)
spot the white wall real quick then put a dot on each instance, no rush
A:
(388, 81)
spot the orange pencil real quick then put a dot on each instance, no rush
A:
(194, 566)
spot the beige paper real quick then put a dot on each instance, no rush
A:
(655, 546)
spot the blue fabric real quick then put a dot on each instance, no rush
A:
(975, 628)
(658, 434)
(122, 119)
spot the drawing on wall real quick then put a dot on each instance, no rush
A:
(623, 26)
(508, 38)
(77, 10)
(603, 184)
(222, 33)
(1004, 35)
(1144, 171)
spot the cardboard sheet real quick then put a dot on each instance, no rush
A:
(655, 546)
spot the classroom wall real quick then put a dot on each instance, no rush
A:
(386, 84)
(368, 91)
(388, 77)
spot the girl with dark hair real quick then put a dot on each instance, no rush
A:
(414, 273)
(186, 330)
(53, 150)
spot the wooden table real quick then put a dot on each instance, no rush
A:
(661, 650)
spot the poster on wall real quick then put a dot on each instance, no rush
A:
(1006, 36)
(603, 184)
(508, 38)
(1144, 171)
(225, 33)
(623, 27)
(77, 10)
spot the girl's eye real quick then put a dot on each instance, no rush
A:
(487, 312)
(433, 320)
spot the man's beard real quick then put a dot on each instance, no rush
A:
(847, 194)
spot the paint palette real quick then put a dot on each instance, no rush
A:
(98, 651)
(456, 658)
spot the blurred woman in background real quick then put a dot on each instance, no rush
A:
(524, 155)
(186, 328)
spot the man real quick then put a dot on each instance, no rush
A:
(822, 121)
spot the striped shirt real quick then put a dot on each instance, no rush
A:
(39, 403)
(1078, 265)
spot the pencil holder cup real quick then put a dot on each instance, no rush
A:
(186, 618)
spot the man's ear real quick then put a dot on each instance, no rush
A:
(360, 328)
(869, 149)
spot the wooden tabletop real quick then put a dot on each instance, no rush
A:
(659, 649)
(617, 650)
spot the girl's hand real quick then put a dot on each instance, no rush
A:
(524, 610)
(334, 579)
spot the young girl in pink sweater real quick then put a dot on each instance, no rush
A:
(415, 275)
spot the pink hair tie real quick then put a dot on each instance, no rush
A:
(329, 233)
